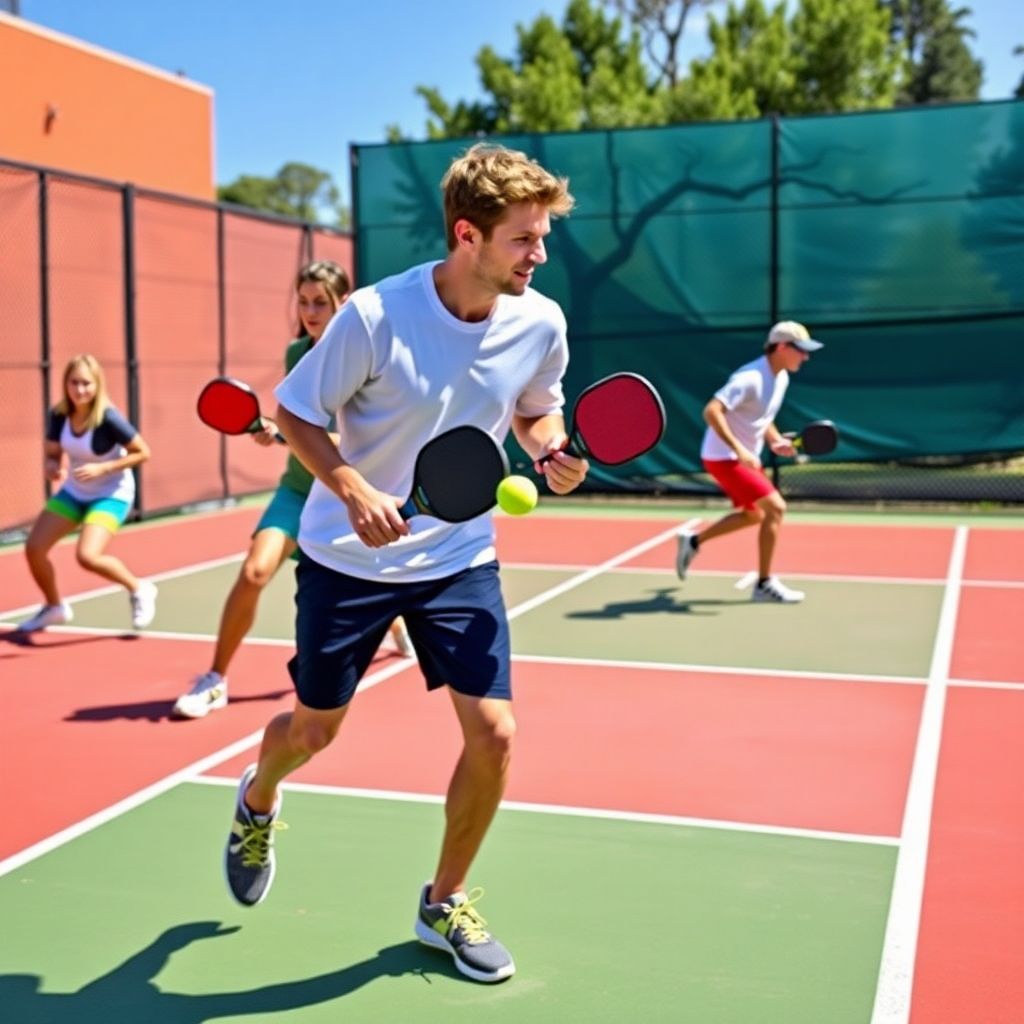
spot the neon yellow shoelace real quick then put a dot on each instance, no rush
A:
(256, 841)
(467, 917)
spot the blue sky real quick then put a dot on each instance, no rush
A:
(301, 81)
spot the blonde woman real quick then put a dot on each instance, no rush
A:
(91, 450)
(320, 288)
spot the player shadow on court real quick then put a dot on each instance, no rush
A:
(130, 992)
(663, 602)
(42, 642)
(157, 710)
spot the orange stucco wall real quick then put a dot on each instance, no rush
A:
(109, 116)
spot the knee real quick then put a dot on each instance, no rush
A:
(256, 574)
(35, 551)
(493, 742)
(777, 509)
(754, 514)
(86, 559)
(310, 738)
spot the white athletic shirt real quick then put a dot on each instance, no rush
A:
(752, 397)
(396, 369)
(100, 444)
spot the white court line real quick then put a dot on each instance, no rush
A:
(114, 588)
(129, 803)
(136, 799)
(896, 973)
(577, 812)
(589, 574)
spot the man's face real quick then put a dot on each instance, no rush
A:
(792, 357)
(506, 261)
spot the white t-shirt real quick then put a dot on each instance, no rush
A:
(100, 444)
(396, 369)
(752, 397)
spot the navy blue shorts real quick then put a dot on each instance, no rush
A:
(457, 624)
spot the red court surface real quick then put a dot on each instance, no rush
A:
(803, 753)
(995, 555)
(989, 645)
(970, 943)
(899, 551)
(92, 722)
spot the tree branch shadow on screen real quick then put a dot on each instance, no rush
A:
(129, 992)
(157, 710)
(661, 603)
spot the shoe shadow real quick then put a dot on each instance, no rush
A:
(661, 603)
(42, 640)
(129, 992)
(156, 710)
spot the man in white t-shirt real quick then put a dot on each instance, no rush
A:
(741, 419)
(462, 341)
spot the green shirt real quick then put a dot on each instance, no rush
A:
(295, 476)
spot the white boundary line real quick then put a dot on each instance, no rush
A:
(576, 812)
(590, 573)
(129, 803)
(896, 973)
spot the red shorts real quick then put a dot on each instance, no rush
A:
(745, 487)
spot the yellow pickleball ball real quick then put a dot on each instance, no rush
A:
(517, 495)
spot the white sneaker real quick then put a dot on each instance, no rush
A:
(686, 551)
(143, 604)
(48, 615)
(403, 643)
(209, 693)
(774, 590)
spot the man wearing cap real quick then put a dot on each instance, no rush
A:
(741, 419)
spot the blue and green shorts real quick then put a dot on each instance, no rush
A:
(283, 513)
(109, 513)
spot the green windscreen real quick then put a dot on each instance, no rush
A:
(897, 237)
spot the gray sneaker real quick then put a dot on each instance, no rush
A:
(455, 926)
(249, 854)
(685, 551)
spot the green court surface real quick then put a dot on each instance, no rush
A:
(859, 628)
(862, 628)
(616, 921)
(192, 603)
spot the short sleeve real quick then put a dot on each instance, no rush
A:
(117, 428)
(736, 390)
(544, 395)
(54, 425)
(337, 366)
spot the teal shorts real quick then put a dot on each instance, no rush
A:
(109, 513)
(283, 513)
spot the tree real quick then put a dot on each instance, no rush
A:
(1019, 50)
(830, 56)
(584, 74)
(939, 65)
(296, 190)
(662, 24)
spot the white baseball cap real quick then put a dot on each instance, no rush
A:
(791, 333)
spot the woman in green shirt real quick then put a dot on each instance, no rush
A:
(320, 288)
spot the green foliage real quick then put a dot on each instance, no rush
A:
(938, 64)
(585, 73)
(297, 190)
(1020, 85)
(830, 56)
